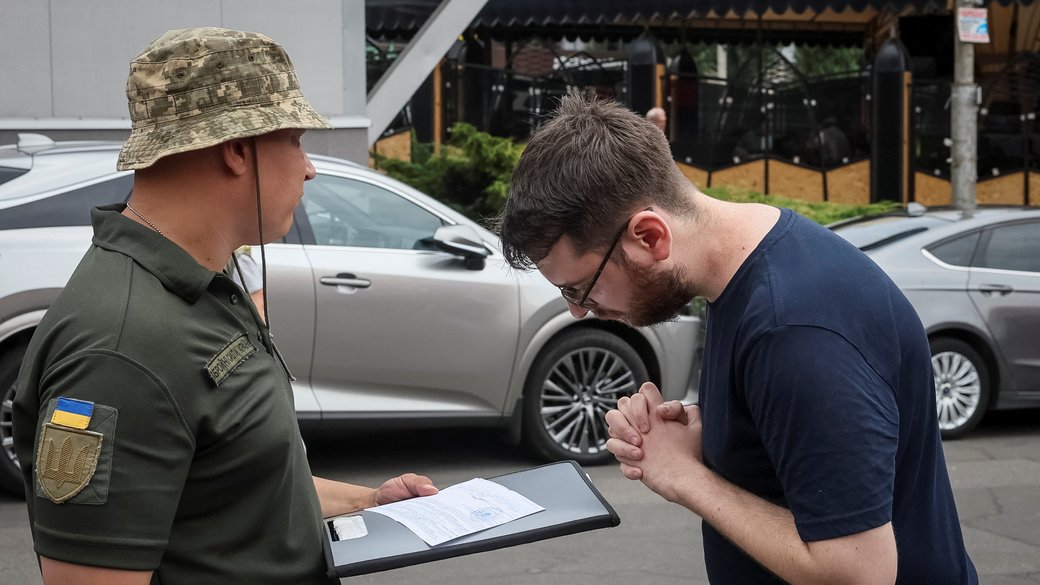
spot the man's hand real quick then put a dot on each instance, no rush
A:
(671, 455)
(403, 487)
(337, 497)
(656, 442)
(627, 424)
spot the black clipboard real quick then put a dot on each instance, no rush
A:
(572, 504)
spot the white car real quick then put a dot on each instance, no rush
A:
(390, 308)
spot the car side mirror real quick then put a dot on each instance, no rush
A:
(462, 240)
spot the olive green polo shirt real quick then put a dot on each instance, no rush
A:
(176, 446)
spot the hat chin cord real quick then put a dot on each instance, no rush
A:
(263, 259)
(260, 228)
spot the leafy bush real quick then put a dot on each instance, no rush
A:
(471, 173)
(822, 212)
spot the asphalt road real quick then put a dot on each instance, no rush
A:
(995, 473)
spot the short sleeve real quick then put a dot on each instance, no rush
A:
(830, 426)
(121, 517)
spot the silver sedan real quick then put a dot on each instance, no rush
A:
(391, 309)
(974, 278)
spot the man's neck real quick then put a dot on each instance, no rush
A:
(189, 221)
(729, 234)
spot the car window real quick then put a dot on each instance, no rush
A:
(7, 173)
(1012, 247)
(348, 212)
(69, 208)
(956, 251)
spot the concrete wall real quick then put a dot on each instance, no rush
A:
(63, 63)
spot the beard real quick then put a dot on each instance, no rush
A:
(661, 295)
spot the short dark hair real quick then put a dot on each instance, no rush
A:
(582, 173)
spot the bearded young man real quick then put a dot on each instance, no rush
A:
(814, 454)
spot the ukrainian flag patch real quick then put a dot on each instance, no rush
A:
(72, 413)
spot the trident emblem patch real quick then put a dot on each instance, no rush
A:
(65, 460)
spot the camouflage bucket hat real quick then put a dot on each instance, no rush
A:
(194, 88)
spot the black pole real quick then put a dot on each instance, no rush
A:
(642, 73)
(889, 143)
(764, 124)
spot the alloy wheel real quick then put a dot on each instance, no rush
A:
(579, 390)
(958, 388)
(7, 424)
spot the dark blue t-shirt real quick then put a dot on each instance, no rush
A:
(817, 394)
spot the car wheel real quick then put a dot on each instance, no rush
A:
(10, 472)
(575, 380)
(961, 386)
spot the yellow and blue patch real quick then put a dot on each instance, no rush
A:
(72, 413)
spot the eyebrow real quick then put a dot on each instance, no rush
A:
(570, 286)
(565, 285)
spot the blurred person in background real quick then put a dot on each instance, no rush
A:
(657, 117)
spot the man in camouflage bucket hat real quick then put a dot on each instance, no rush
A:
(160, 423)
(194, 88)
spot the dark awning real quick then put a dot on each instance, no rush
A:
(403, 17)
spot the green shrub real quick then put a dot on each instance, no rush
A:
(473, 170)
(471, 173)
(823, 212)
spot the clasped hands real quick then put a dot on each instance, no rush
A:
(655, 441)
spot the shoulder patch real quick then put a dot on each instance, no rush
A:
(65, 460)
(73, 459)
(233, 355)
(72, 413)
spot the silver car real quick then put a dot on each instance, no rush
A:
(974, 279)
(390, 308)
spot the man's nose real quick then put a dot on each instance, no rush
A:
(578, 312)
(311, 173)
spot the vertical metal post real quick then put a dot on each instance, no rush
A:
(964, 120)
(890, 170)
(659, 85)
(643, 74)
(907, 130)
(763, 130)
(438, 109)
(424, 51)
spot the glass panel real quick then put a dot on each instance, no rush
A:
(957, 251)
(1013, 247)
(346, 212)
(67, 209)
(6, 174)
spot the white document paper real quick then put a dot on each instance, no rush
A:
(459, 510)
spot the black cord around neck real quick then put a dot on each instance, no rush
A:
(260, 231)
(263, 267)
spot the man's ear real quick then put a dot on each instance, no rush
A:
(238, 156)
(652, 236)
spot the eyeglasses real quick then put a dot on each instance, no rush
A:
(570, 294)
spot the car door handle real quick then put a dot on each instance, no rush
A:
(1000, 289)
(345, 279)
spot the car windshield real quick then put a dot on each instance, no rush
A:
(870, 233)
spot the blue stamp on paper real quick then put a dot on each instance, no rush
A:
(485, 514)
